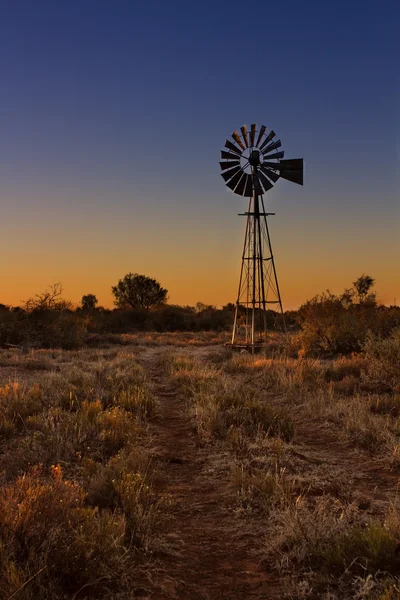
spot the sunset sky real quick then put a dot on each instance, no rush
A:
(112, 117)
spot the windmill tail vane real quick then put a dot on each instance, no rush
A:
(250, 165)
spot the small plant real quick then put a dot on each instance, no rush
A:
(260, 489)
(137, 400)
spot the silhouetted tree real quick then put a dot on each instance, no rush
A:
(51, 299)
(201, 307)
(138, 291)
(89, 302)
(230, 306)
(362, 287)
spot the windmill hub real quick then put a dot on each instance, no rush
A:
(255, 158)
(250, 167)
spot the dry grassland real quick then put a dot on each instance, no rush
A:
(164, 466)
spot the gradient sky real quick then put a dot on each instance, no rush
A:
(112, 116)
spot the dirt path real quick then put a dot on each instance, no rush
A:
(212, 551)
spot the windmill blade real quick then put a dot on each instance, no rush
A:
(244, 135)
(273, 176)
(237, 139)
(248, 190)
(268, 139)
(235, 180)
(235, 149)
(242, 184)
(260, 135)
(252, 133)
(276, 155)
(229, 155)
(258, 190)
(228, 165)
(266, 182)
(273, 146)
(229, 174)
(292, 170)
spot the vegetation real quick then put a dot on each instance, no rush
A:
(138, 292)
(77, 502)
(327, 325)
(332, 325)
(128, 452)
(89, 302)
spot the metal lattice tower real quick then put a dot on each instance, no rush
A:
(250, 168)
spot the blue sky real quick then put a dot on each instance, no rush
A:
(112, 118)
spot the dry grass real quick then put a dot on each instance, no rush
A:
(77, 504)
(322, 531)
(224, 409)
(320, 535)
(183, 338)
(335, 390)
(331, 545)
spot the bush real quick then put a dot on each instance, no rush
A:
(56, 329)
(383, 362)
(12, 326)
(47, 531)
(330, 328)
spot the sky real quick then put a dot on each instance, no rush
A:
(113, 115)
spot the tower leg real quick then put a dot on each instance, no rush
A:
(258, 283)
(256, 218)
(278, 293)
(234, 332)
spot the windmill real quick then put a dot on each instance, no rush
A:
(251, 165)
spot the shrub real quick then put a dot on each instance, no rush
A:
(46, 531)
(383, 362)
(372, 547)
(339, 324)
(56, 329)
(16, 404)
(12, 326)
(124, 483)
(330, 328)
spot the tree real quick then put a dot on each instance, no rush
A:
(138, 291)
(362, 287)
(89, 302)
(229, 306)
(201, 307)
(51, 299)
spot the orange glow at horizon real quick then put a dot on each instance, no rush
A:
(193, 267)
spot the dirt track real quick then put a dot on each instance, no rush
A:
(213, 553)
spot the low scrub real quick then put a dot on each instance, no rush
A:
(79, 531)
(334, 542)
(49, 538)
(383, 362)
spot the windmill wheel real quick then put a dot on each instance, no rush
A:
(251, 164)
